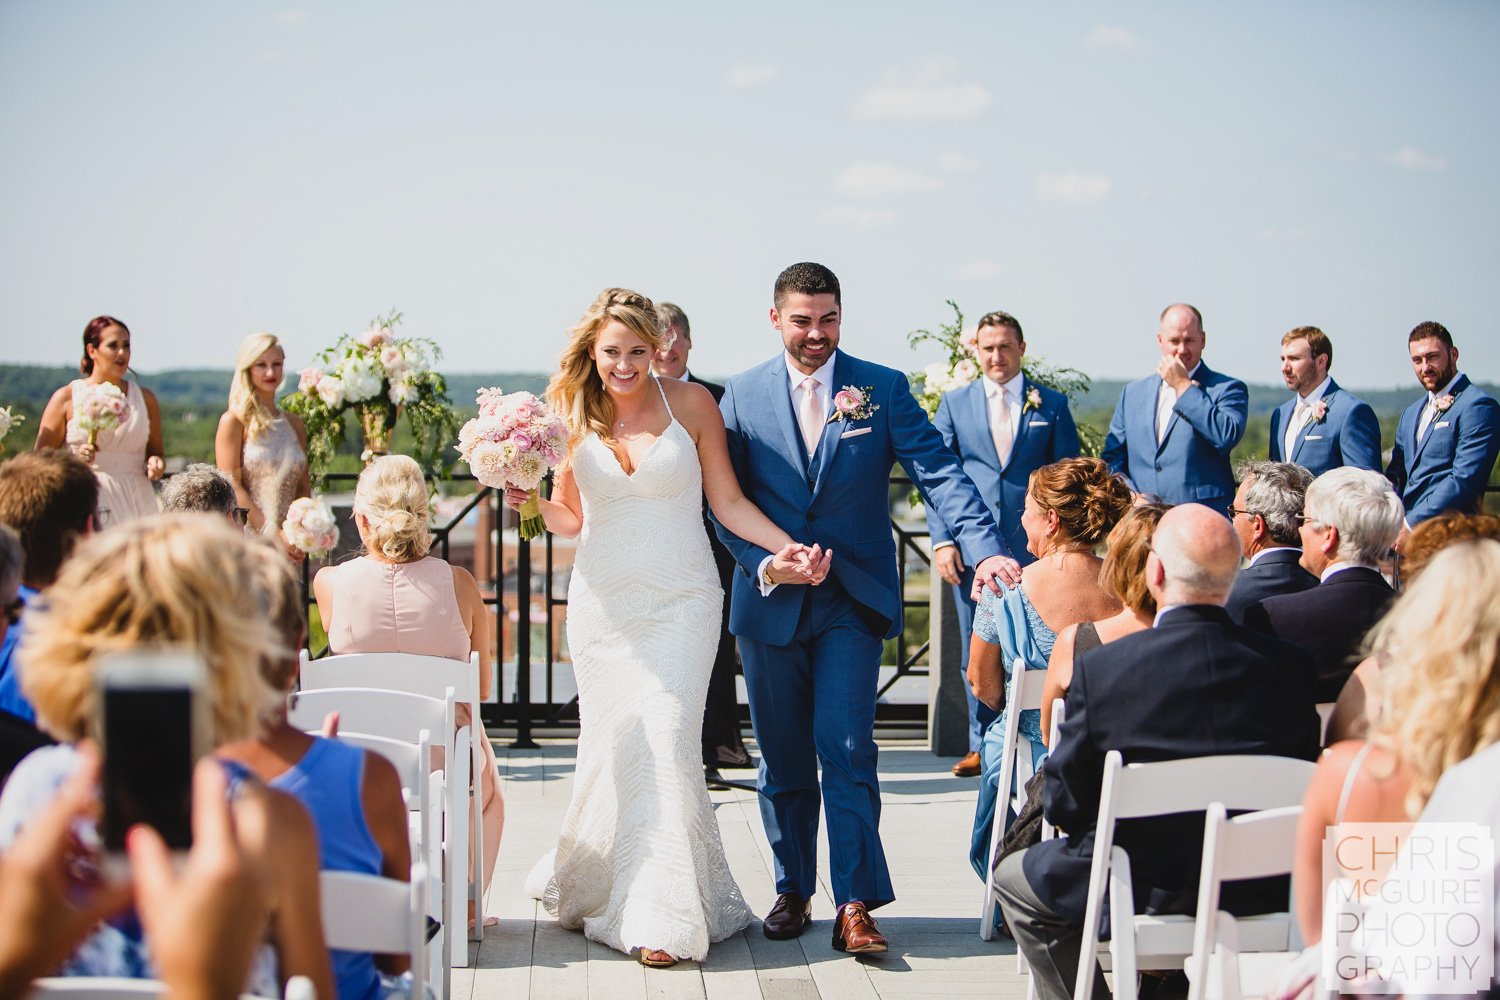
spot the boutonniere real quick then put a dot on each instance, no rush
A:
(852, 403)
(1319, 411)
(1033, 400)
(1442, 403)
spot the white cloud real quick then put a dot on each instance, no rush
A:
(749, 77)
(954, 162)
(980, 270)
(1072, 188)
(858, 216)
(882, 180)
(927, 92)
(1109, 38)
(289, 18)
(1408, 158)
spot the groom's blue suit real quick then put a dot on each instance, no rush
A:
(811, 654)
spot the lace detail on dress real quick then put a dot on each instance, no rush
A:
(639, 862)
(272, 465)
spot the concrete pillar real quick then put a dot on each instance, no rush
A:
(947, 709)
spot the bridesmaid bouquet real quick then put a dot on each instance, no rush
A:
(7, 421)
(101, 407)
(310, 527)
(515, 441)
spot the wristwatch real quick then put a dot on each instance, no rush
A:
(765, 577)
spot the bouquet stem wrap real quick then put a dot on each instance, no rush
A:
(532, 524)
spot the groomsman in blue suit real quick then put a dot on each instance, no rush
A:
(1172, 432)
(1002, 427)
(1322, 426)
(1446, 442)
(813, 433)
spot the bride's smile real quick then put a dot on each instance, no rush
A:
(623, 358)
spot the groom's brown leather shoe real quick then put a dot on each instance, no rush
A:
(788, 918)
(854, 931)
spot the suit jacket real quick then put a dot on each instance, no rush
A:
(1276, 572)
(1329, 621)
(1348, 434)
(839, 498)
(1449, 467)
(1195, 685)
(1191, 464)
(1044, 434)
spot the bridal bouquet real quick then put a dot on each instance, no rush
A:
(515, 441)
(101, 407)
(310, 526)
(378, 375)
(7, 421)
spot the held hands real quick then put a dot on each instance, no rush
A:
(798, 563)
(1173, 372)
(995, 572)
(949, 564)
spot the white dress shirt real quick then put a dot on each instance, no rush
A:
(795, 378)
(1302, 417)
(1166, 402)
(1008, 395)
(1274, 548)
(1429, 412)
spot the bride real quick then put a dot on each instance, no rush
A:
(639, 863)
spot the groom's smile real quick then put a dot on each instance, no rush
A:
(809, 327)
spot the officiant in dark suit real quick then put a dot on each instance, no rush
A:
(1267, 515)
(722, 744)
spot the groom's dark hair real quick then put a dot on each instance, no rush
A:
(806, 278)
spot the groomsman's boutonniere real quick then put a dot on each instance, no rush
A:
(851, 403)
(1319, 411)
(1033, 400)
(1442, 403)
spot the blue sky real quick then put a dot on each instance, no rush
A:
(204, 170)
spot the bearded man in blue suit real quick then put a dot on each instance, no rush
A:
(813, 434)
(1172, 432)
(1003, 427)
(1322, 426)
(1446, 442)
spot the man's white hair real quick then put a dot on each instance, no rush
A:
(1365, 509)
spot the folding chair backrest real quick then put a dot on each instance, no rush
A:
(117, 988)
(1023, 693)
(399, 715)
(375, 914)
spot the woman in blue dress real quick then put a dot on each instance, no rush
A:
(1070, 508)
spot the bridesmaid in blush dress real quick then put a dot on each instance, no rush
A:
(397, 598)
(261, 448)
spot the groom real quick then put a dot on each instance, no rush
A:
(813, 434)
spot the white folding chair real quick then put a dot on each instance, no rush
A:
(1158, 789)
(431, 676)
(1254, 845)
(115, 988)
(1023, 693)
(381, 915)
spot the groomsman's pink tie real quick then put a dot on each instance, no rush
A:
(1000, 428)
(810, 414)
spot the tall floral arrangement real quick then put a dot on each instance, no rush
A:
(961, 366)
(378, 376)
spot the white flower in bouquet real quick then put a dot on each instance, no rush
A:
(330, 389)
(964, 372)
(310, 526)
(362, 379)
(7, 421)
(514, 441)
(376, 335)
(417, 357)
(309, 377)
(936, 377)
(393, 359)
(100, 407)
(403, 390)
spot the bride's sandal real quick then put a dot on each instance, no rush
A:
(655, 958)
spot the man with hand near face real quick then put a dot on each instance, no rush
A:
(1172, 432)
(1322, 426)
(1447, 441)
(1003, 427)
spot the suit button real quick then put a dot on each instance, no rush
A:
(1158, 466)
(811, 518)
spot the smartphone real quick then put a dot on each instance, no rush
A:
(154, 725)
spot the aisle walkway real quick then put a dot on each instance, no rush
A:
(936, 951)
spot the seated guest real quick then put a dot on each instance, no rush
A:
(1266, 515)
(1359, 701)
(48, 498)
(1123, 575)
(1070, 507)
(353, 795)
(1350, 521)
(17, 736)
(1195, 685)
(179, 580)
(397, 598)
(1440, 652)
(203, 489)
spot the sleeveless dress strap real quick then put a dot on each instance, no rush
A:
(670, 414)
(1349, 778)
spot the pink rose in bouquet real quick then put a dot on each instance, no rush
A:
(101, 407)
(310, 526)
(515, 441)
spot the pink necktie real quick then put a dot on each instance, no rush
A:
(810, 414)
(1000, 428)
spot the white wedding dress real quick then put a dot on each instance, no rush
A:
(639, 863)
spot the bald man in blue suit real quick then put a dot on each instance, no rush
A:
(1172, 432)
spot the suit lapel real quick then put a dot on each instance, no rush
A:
(1459, 386)
(1307, 418)
(833, 430)
(1161, 441)
(1023, 421)
(778, 396)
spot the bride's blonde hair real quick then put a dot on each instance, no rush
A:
(576, 392)
(254, 415)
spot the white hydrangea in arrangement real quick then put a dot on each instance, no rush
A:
(515, 441)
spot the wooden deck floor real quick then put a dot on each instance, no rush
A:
(932, 926)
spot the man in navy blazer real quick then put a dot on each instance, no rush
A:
(1322, 426)
(812, 434)
(1267, 515)
(1172, 432)
(1196, 685)
(1447, 441)
(1002, 411)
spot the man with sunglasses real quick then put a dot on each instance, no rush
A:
(1265, 516)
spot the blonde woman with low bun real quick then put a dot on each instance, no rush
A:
(259, 446)
(397, 598)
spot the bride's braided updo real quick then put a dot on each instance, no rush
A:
(392, 498)
(575, 392)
